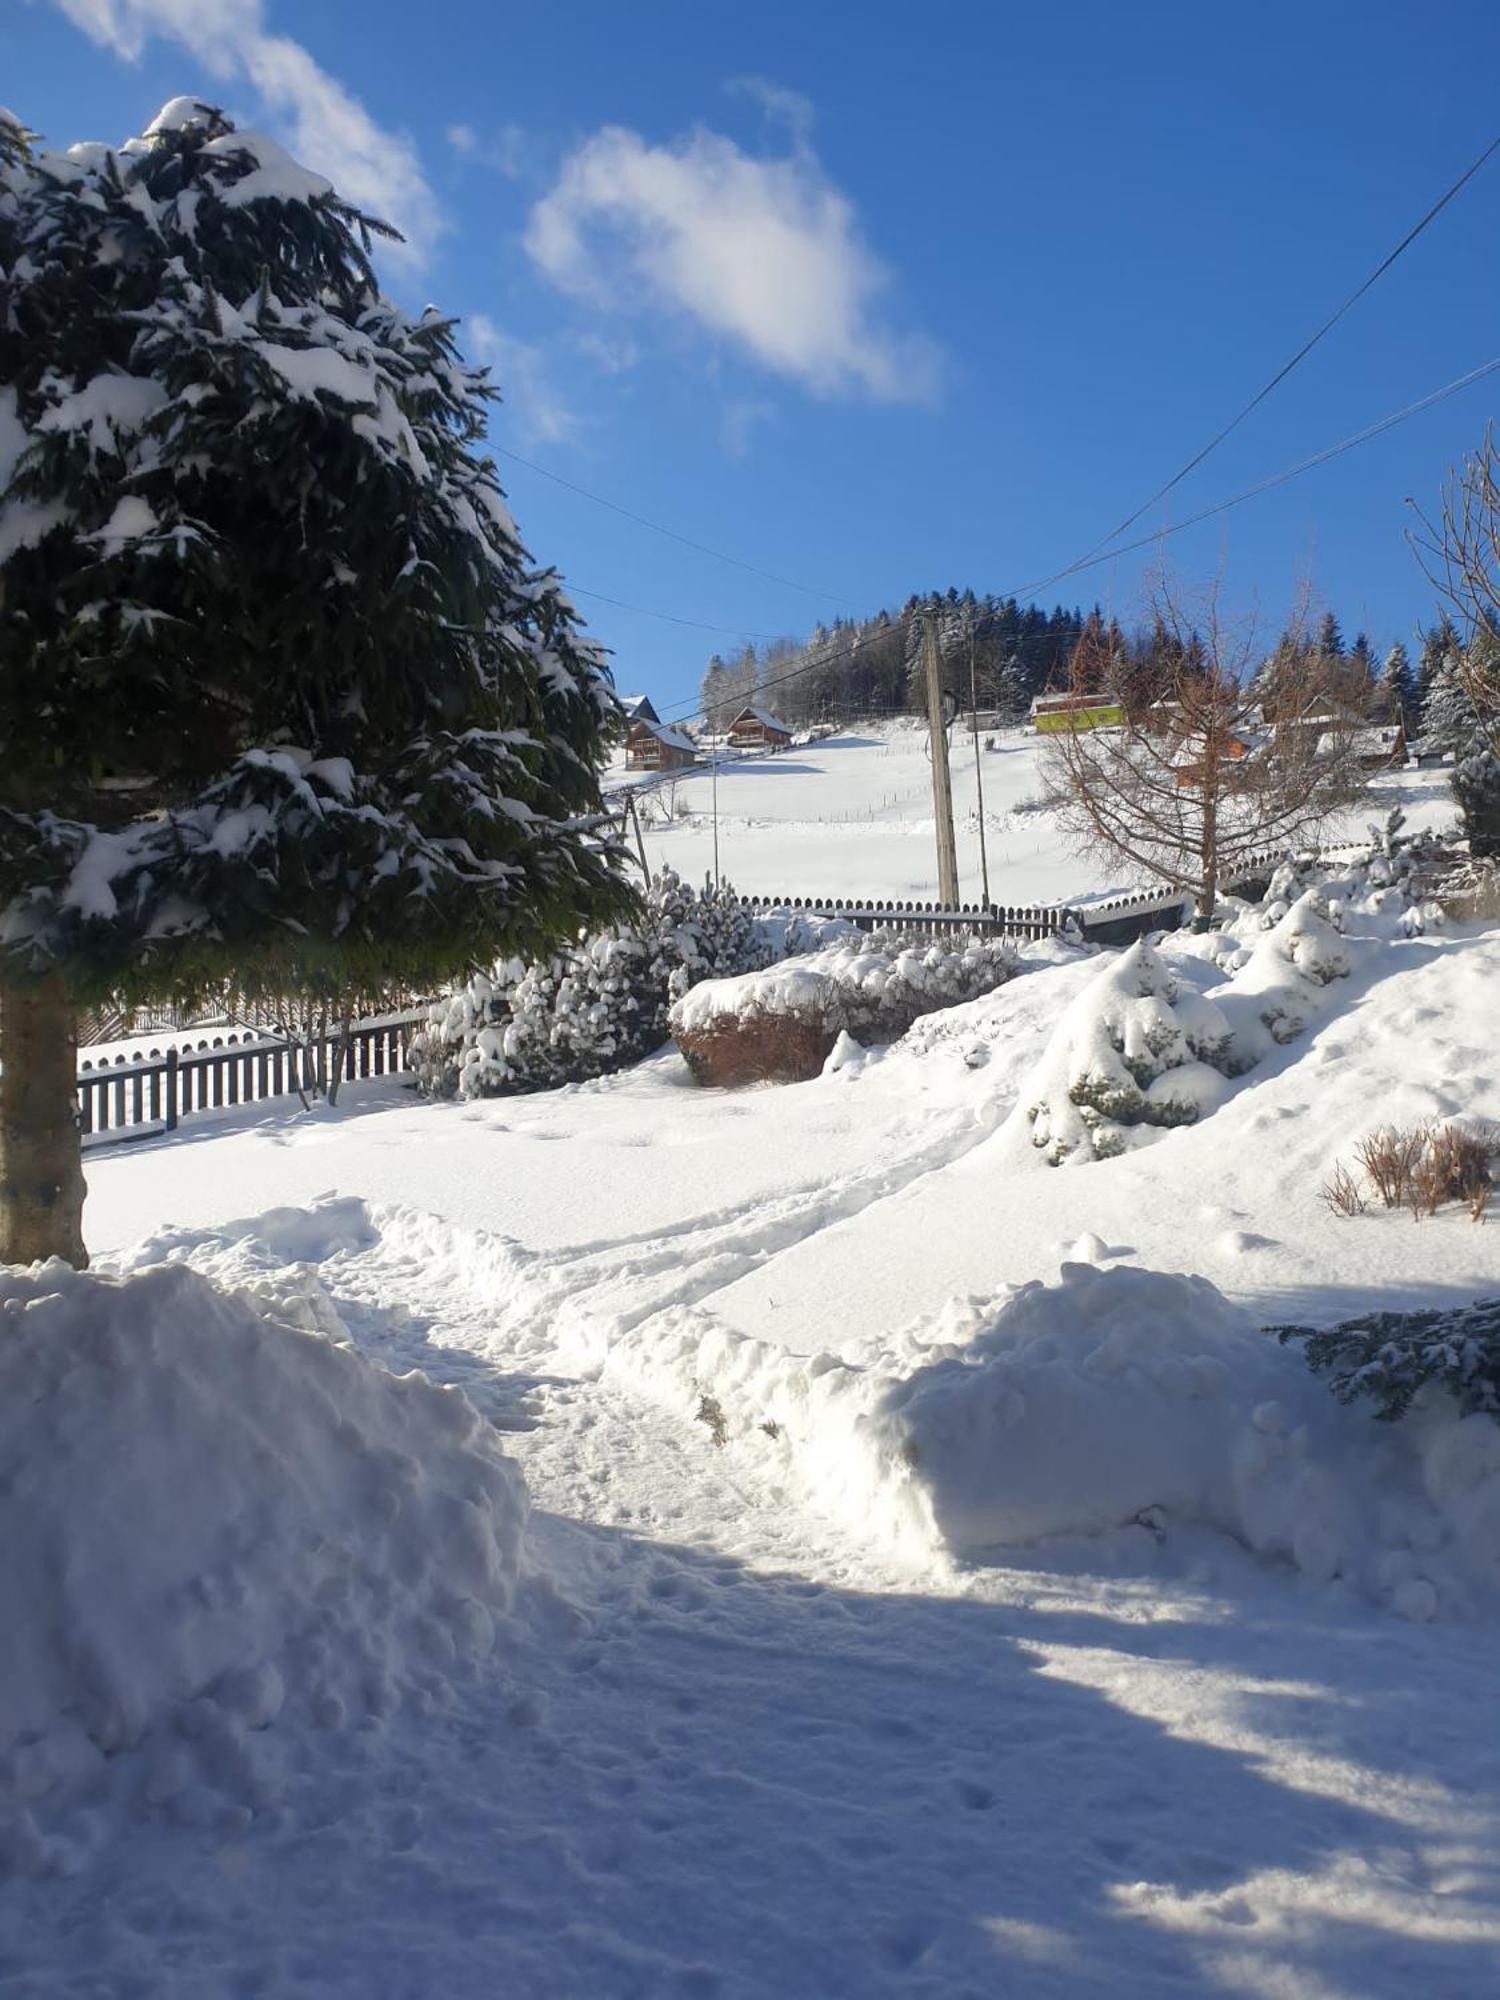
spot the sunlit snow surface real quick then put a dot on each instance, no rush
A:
(782, 1716)
(852, 816)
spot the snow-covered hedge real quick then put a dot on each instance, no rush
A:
(207, 1517)
(593, 1008)
(869, 986)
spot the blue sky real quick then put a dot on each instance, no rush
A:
(879, 299)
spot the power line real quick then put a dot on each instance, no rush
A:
(1093, 561)
(1302, 352)
(1318, 458)
(645, 611)
(768, 576)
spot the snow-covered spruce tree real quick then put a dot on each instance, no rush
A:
(282, 698)
(595, 1006)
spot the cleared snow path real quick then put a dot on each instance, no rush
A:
(730, 1746)
(732, 1753)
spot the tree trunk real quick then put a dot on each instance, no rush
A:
(41, 1149)
(1208, 850)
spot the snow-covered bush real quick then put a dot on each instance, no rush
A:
(1388, 878)
(1136, 1050)
(210, 1522)
(1391, 1356)
(1279, 986)
(871, 986)
(595, 1007)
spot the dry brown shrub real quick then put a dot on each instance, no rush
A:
(1457, 1167)
(1390, 1157)
(1340, 1193)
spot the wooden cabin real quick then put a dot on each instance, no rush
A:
(651, 746)
(756, 729)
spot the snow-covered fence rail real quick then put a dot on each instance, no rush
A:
(132, 1096)
(925, 919)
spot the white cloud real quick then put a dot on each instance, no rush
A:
(781, 106)
(537, 411)
(739, 424)
(326, 127)
(765, 252)
(503, 149)
(611, 354)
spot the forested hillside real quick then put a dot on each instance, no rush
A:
(1003, 654)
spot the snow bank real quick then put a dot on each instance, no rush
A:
(1112, 1398)
(1077, 1406)
(207, 1516)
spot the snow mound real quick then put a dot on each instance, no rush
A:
(207, 1518)
(1111, 1400)
(1076, 1407)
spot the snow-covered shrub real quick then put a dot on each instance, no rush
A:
(1391, 1356)
(1280, 984)
(1135, 1050)
(870, 987)
(595, 1007)
(1387, 878)
(1470, 891)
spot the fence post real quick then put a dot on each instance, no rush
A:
(171, 1089)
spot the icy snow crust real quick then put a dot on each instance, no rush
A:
(210, 1515)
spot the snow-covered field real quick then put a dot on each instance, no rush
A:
(852, 816)
(1058, 1641)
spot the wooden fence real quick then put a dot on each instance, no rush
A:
(134, 1096)
(926, 919)
(1118, 921)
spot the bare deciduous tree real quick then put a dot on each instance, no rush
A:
(1199, 779)
(1461, 554)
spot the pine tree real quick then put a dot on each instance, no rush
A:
(1440, 646)
(283, 700)
(1397, 688)
(1330, 637)
(1449, 723)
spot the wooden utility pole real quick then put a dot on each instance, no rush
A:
(942, 787)
(984, 859)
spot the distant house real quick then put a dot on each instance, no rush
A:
(1053, 713)
(1192, 766)
(638, 708)
(1380, 746)
(1377, 746)
(651, 746)
(756, 728)
(1428, 756)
